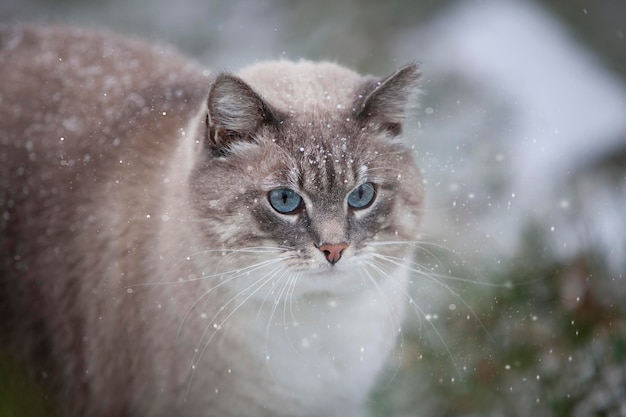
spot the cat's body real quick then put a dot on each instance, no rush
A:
(164, 254)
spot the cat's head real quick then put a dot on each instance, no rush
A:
(303, 164)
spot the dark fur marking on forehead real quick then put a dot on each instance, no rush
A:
(313, 150)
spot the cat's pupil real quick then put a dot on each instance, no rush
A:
(363, 196)
(285, 200)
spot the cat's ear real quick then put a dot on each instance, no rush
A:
(383, 104)
(234, 113)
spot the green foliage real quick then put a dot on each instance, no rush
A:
(20, 395)
(550, 344)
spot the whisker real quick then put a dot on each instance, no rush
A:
(260, 283)
(393, 317)
(421, 315)
(418, 244)
(438, 279)
(188, 258)
(294, 281)
(235, 274)
(268, 294)
(286, 282)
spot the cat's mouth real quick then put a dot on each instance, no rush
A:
(346, 276)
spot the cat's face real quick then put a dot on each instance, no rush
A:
(314, 192)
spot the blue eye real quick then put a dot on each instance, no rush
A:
(363, 196)
(285, 200)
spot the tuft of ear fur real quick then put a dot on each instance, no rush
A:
(384, 103)
(234, 113)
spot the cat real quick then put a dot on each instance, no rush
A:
(176, 242)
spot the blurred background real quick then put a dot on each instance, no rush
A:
(520, 303)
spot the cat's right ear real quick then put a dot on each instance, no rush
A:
(235, 112)
(383, 104)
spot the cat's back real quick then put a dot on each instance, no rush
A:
(84, 95)
(86, 118)
(81, 109)
(88, 121)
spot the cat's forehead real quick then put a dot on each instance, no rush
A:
(328, 164)
(325, 155)
(303, 86)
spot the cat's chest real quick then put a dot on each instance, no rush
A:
(283, 352)
(323, 350)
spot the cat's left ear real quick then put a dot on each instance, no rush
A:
(383, 104)
(235, 112)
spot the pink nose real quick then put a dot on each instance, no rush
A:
(333, 251)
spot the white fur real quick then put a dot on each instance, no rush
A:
(313, 353)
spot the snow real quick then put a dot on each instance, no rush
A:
(513, 107)
(566, 109)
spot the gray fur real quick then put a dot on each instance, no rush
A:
(143, 270)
